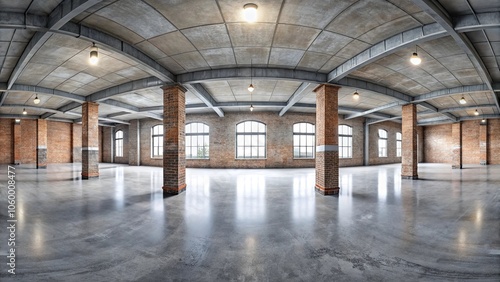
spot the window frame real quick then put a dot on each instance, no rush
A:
(349, 146)
(198, 134)
(160, 144)
(257, 134)
(119, 144)
(399, 144)
(382, 151)
(306, 134)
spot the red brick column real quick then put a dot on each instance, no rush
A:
(456, 144)
(327, 151)
(76, 143)
(90, 140)
(17, 142)
(409, 159)
(483, 143)
(174, 151)
(134, 142)
(41, 144)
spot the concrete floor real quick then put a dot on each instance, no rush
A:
(248, 225)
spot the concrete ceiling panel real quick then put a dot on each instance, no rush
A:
(286, 36)
(84, 78)
(208, 37)
(482, 6)
(317, 14)
(132, 73)
(185, 14)
(279, 98)
(18, 98)
(16, 49)
(63, 72)
(6, 34)
(476, 36)
(496, 48)
(23, 35)
(191, 61)
(51, 82)
(368, 15)
(423, 18)
(313, 61)
(442, 47)
(191, 99)
(468, 77)
(10, 62)
(251, 35)
(353, 48)
(115, 78)
(33, 73)
(285, 57)
(393, 62)
(388, 29)
(455, 7)
(172, 43)
(329, 43)
(4, 47)
(331, 64)
(268, 11)
(137, 16)
(112, 27)
(484, 49)
(492, 34)
(456, 62)
(52, 101)
(171, 65)
(222, 57)
(251, 55)
(152, 51)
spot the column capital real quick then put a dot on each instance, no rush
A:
(174, 85)
(325, 85)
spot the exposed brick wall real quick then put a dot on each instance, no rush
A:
(28, 141)
(124, 159)
(357, 142)
(76, 142)
(132, 143)
(409, 142)
(90, 140)
(106, 149)
(494, 141)
(145, 126)
(59, 147)
(6, 141)
(392, 128)
(470, 142)
(438, 143)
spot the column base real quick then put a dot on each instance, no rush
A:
(41, 166)
(483, 162)
(90, 175)
(327, 191)
(456, 166)
(174, 190)
(411, 177)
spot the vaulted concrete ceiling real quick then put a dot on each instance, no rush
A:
(292, 47)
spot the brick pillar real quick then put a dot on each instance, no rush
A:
(483, 143)
(76, 143)
(134, 143)
(90, 140)
(174, 155)
(17, 142)
(456, 144)
(327, 151)
(409, 158)
(41, 143)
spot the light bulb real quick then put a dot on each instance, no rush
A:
(250, 12)
(25, 112)
(251, 108)
(355, 95)
(251, 88)
(36, 100)
(476, 113)
(483, 120)
(94, 55)
(415, 59)
(462, 101)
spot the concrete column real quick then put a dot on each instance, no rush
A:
(174, 151)
(456, 143)
(17, 142)
(134, 143)
(90, 140)
(41, 143)
(327, 150)
(409, 160)
(76, 143)
(483, 143)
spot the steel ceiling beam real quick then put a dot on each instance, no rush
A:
(296, 97)
(455, 109)
(365, 85)
(436, 110)
(140, 84)
(450, 91)
(203, 94)
(381, 108)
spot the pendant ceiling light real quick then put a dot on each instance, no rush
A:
(462, 101)
(94, 55)
(24, 111)
(250, 12)
(415, 59)
(251, 88)
(476, 113)
(36, 100)
(355, 95)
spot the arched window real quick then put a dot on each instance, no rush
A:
(304, 140)
(250, 140)
(345, 141)
(382, 143)
(399, 139)
(197, 142)
(119, 143)
(157, 141)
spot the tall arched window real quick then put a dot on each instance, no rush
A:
(399, 140)
(303, 140)
(250, 140)
(119, 143)
(382, 143)
(345, 141)
(157, 141)
(197, 141)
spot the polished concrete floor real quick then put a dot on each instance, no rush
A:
(254, 225)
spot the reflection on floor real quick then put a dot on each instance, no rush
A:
(259, 224)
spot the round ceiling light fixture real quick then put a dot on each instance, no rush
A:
(415, 59)
(476, 113)
(355, 95)
(36, 100)
(94, 55)
(250, 12)
(24, 111)
(462, 101)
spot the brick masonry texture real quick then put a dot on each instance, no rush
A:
(76, 143)
(456, 145)
(132, 143)
(90, 139)
(41, 149)
(125, 129)
(392, 128)
(106, 146)
(483, 144)
(59, 147)
(494, 141)
(470, 139)
(438, 143)
(28, 142)
(409, 142)
(6, 144)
